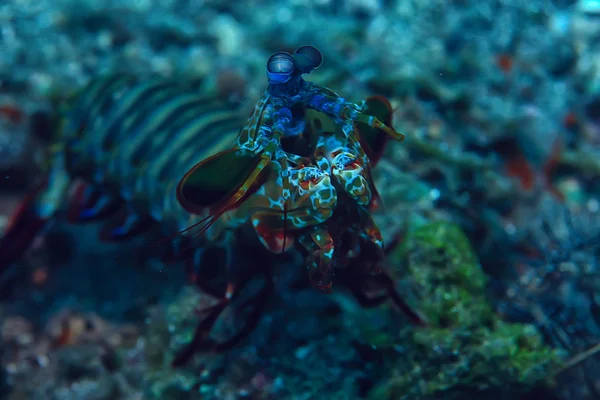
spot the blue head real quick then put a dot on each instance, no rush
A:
(283, 66)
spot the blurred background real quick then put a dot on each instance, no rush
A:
(494, 194)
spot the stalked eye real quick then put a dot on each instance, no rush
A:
(307, 58)
(280, 67)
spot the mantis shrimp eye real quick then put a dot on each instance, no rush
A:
(307, 58)
(280, 67)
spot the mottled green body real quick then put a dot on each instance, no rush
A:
(165, 153)
(467, 351)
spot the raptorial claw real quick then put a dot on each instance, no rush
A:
(374, 122)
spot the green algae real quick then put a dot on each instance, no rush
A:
(466, 350)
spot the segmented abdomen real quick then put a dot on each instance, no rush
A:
(136, 139)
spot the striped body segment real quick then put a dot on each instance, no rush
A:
(133, 140)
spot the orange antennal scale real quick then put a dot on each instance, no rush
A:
(220, 183)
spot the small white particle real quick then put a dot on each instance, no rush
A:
(510, 229)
